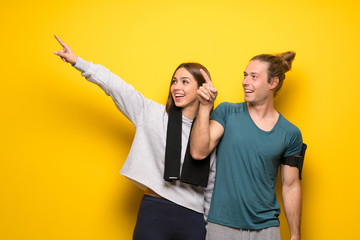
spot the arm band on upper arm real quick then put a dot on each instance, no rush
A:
(296, 161)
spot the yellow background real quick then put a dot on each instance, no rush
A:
(63, 141)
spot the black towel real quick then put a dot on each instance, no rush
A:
(195, 172)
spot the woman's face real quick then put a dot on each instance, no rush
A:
(183, 90)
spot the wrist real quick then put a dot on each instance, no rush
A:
(73, 61)
(206, 107)
(295, 236)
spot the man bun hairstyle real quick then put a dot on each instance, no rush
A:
(288, 58)
(279, 64)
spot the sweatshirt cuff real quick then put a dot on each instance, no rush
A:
(81, 64)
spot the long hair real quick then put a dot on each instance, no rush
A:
(194, 69)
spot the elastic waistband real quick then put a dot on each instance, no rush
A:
(157, 199)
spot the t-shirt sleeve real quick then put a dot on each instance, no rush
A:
(295, 153)
(220, 113)
(295, 143)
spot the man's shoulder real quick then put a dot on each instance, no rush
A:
(231, 107)
(288, 126)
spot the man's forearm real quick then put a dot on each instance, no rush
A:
(292, 207)
(200, 134)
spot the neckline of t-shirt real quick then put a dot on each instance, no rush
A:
(263, 131)
(185, 119)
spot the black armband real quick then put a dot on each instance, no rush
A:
(296, 161)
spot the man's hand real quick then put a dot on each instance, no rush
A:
(207, 93)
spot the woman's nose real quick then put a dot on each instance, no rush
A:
(177, 85)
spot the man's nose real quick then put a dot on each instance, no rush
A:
(245, 81)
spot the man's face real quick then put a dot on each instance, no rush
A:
(257, 90)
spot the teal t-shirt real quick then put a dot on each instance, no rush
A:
(248, 159)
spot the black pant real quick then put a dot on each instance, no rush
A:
(160, 219)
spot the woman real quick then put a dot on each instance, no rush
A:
(177, 188)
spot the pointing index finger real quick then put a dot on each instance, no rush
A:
(207, 78)
(61, 42)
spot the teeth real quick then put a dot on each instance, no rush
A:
(248, 91)
(179, 95)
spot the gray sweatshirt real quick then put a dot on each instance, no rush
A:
(145, 163)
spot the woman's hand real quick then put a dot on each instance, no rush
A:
(66, 54)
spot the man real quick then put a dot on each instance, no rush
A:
(252, 140)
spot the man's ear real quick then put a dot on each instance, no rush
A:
(274, 82)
